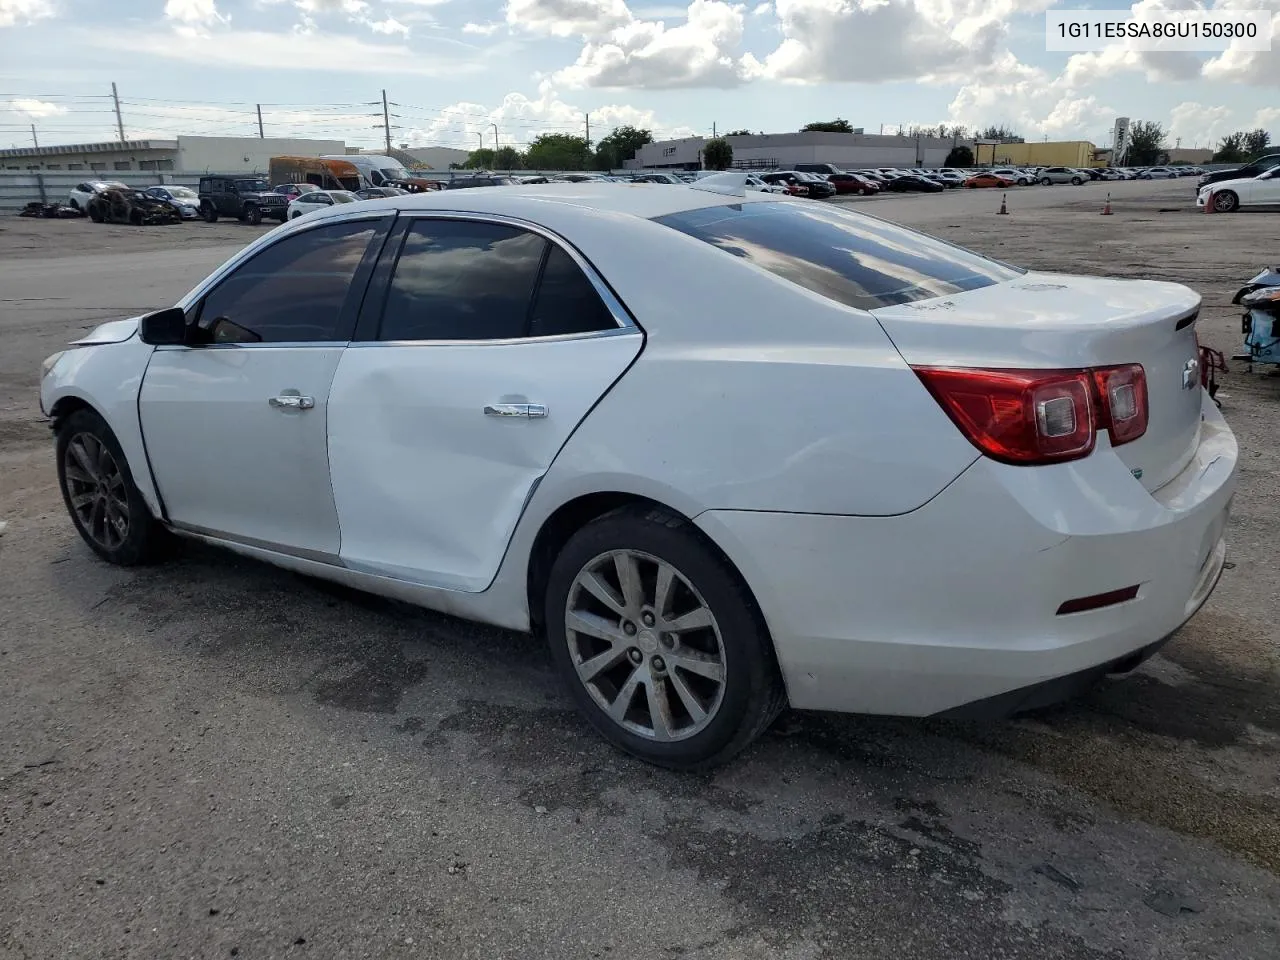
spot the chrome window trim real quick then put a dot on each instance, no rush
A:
(625, 322)
(504, 341)
(290, 344)
(287, 229)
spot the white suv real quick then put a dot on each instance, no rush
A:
(1062, 175)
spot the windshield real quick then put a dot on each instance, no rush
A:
(251, 185)
(342, 196)
(183, 193)
(394, 173)
(851, 258)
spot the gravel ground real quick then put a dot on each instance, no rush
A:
(213, 758)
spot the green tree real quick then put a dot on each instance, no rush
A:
(1146, 144)
(481, 159)
(1231, 149)
(1256, 142)
(507, 158)
(738, 133)
(558, 151)
(717, 154)
(959, 157)
(838, 125)
(1001, 133)
(613, 151)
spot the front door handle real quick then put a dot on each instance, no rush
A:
(527, 410)
(292, 402)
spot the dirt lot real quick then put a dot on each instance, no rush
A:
(213, 758)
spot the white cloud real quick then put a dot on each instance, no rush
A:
(1268, 118)
(568, 18)
(24, 11)
(389, 26)
(648, 54)
(762, 9)
(1195, 123)
(193, 17)
(36, 108)
(1257, 68)
(481, 29)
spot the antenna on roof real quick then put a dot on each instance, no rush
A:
(727, 184)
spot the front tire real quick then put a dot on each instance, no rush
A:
(97, 486)
(210, 213)
(1076, 181)
(1225, 202)
(1045, 182)
(659, 640)
(253, 215)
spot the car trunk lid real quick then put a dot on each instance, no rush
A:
(1057, 321)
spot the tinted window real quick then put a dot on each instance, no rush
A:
(294, 290)
(566, 300)
(462, 280)
(851, 258)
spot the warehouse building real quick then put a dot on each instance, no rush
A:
(769, 151)
(182, 155)
(1051, 153)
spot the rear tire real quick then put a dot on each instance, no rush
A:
(106, 507)
(1076, 181)
(210, 213)
(95, 212)
(1045, 182)
(688, 698)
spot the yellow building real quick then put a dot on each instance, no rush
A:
(1059, 153)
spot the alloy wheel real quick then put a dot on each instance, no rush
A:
(96, 491)
(645, 645)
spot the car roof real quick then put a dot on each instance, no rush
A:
(645, 200)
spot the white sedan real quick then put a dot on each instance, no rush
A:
(759, 186)
(314, 200)
(82, 193)
(1228, 195)
(826, 461)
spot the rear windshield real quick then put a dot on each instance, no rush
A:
(848, 257)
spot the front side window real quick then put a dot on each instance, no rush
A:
(252, 186)
(294, 291)
(851, 258)
(462, 280)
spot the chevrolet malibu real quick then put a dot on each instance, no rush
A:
(824, 461)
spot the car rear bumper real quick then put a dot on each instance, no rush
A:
(958, 602)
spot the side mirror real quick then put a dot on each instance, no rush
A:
(164, 327)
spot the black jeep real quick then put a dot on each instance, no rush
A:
(246, 198)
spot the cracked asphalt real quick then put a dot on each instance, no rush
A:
(213, 758)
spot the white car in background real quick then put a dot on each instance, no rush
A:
(306, 203)
(1229, 195)
(826, 461)
(759, 186)
(82, 193)
(1158, 173)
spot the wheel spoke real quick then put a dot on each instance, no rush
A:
(594, 626)
(662, 589)
(84, 459)
(98, 519)
(592, 667)
(695, 619)
(76, 472)
(81, 500)
(618, 709)
(687, 697)
(701, 664)
(603, 592)
(659, 709)
(629, 579)
(116, 482)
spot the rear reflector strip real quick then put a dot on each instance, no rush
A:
(1098, 600)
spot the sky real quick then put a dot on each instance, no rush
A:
(455, 69)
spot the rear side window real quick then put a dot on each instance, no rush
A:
(848, 257)
(567, 302)
(462, 280)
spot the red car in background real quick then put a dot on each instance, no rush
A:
(853, 183)
(795, 186)
(989, 180)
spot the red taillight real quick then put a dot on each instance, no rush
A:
(1122, 401)
(1030, 417)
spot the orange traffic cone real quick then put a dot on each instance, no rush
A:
(1106, 207)
(1004, 210)
(1208, 203)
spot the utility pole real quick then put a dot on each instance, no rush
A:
(495, 142)
(713, 129)
(588, 131)
(115, 95)
(386, 121)
(34, 138)
(261, 135)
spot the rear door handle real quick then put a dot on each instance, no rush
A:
(527, 410)
(292, 402)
